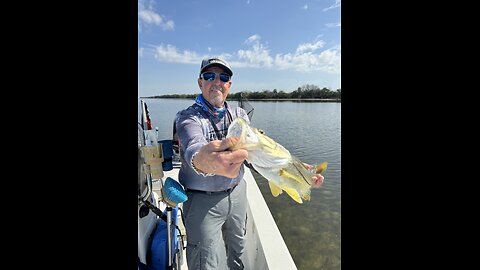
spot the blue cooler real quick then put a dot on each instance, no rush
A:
(159, 248)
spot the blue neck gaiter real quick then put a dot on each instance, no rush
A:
(213, 111)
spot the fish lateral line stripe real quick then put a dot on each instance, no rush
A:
(300, 173)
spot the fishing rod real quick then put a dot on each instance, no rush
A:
(141, 157)
(145, 117)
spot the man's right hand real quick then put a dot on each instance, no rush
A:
(215, 157)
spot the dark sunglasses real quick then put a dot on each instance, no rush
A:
(210, 76)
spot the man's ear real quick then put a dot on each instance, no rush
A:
(199, 83)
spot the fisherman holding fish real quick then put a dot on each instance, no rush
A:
(212, 173)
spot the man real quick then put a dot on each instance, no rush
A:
(211, 174)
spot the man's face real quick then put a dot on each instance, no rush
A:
(216, 91)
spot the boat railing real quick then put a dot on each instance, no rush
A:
(265, 248)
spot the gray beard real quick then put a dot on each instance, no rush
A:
(217, 101)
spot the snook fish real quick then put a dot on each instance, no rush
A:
(282, 170)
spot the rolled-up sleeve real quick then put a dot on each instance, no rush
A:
(191, 135)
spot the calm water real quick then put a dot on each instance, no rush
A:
(311, 131)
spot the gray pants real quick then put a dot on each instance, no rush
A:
(207, 216)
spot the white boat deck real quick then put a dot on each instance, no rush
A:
(265, 247)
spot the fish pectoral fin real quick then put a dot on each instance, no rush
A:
(322, 167)
(276, 190)
(292, 193)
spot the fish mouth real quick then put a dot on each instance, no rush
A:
(239, 128)
(236, 129)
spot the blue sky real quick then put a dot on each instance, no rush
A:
(270, 44)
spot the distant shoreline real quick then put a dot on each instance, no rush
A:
(297, 99)
(265, 99)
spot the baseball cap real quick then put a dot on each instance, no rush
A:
(215, 62)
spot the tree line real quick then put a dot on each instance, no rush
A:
(307, 91)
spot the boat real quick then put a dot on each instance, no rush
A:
(265, 247)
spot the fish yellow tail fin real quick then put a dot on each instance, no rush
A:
(292, 193)
(321, 167)
(276, 190)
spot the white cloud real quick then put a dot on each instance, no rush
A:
(333, 24)
(252, 39)
(305, 6)
(168, 25)
(310, 46)
(327, 60)
(257, 55)
(308, 57)
(305, 59)
(334, 5)
(169, 53)
(147, 16)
